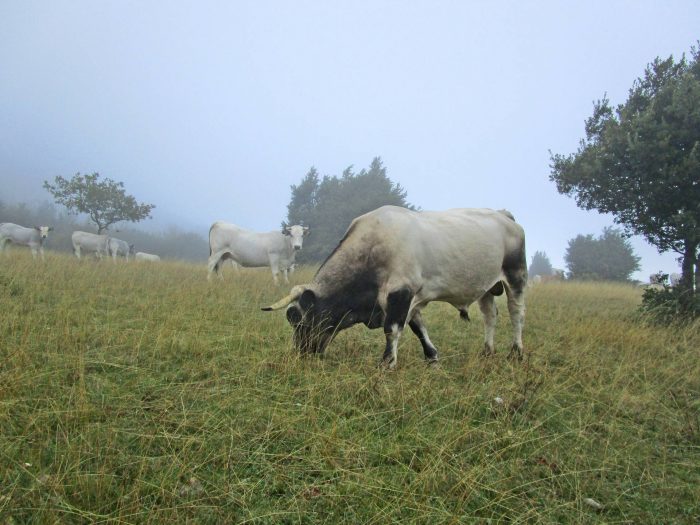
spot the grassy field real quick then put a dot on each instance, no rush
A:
(136, 393)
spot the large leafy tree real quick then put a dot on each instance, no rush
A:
(610, 257)
(104, 201)
(641, 161)
(328, 205)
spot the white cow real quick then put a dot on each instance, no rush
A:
(253, 249)
(32, 237)
(393, 261)
(89, 242)
(116, 247)
(675, 279)
(143, 256)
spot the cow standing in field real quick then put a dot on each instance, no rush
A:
(143, 256)
(32, 237)
(89, 242)
(116, 247)
(253, 249)
(393, 261)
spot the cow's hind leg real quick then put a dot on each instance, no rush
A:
(214, 265)
(487, 304)
(418, 327)
(398, 304)
(516, 309)
(516, 278)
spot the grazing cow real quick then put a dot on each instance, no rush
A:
(393, 261)
(89, 242)
(143, 256)
(116, 247)
(675, 279)
(252, 249)
(32, 237)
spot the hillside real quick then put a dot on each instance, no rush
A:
(139, 393)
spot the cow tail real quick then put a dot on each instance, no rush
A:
(210, 229)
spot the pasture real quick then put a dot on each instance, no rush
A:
(141, 393)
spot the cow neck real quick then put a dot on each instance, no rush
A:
(344, 267)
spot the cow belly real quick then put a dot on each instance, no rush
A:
(250, 258)
(461, 287)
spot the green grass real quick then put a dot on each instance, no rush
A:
(144, 394)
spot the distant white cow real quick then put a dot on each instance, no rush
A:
(659, 278)
(90, 243)
(676, 279)
(143, 256)
(32, 237)
(116, 247)
(537, 279)
(253, 249)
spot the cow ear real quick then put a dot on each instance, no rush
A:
(286, 231)
(50, 228)
(307, 300)
(306, 231)
(294, 316)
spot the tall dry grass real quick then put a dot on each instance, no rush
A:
(137, 393)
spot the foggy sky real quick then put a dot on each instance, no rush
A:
(211, 110)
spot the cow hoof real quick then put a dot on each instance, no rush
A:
(432, 362)
(488, 351)
(516, 353)
(387, 364)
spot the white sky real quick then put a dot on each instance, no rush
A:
(211, 110)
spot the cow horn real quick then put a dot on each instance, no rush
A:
(286, 301)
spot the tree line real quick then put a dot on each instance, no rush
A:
(608, 257)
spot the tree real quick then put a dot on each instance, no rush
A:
(105, 201)
(610, 257)
(302, 205)
(641, 161)
(329, 205)
(540, 265)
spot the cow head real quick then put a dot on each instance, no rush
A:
(132, 249)
(43, 231)
(296, 234)
(317, 318)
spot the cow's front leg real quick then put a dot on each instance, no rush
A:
(274, 267)
(418, 326)
(398, 304)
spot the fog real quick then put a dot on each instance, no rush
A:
(211, 110)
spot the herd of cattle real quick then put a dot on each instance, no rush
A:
(389, 265)
(100, 245)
